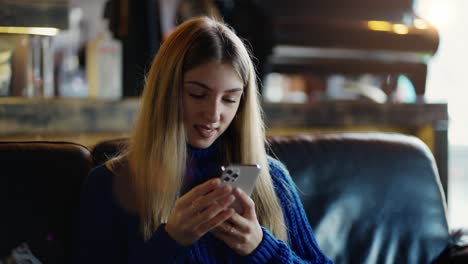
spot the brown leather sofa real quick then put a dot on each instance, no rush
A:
(40, 185)
(370, 197)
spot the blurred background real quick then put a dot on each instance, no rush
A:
(447, 82)
(73, 69)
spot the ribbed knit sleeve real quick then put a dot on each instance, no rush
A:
(161, 247)
(107, 234)
(303, 247)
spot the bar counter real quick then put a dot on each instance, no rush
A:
(32, 117)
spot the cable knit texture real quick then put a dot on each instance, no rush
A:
(109, 234)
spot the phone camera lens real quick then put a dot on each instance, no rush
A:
(226, 179)
(229, 171)
(235, 175)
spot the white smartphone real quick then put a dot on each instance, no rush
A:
(242, 176)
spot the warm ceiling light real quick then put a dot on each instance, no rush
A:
(400, 29)
(420, 24)
(44, 31)
(379, 25)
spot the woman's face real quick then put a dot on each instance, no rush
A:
(211, 97)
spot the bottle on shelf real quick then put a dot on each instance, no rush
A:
(104, 65)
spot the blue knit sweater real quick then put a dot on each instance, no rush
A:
(109, 234)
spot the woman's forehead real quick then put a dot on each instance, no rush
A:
(214, 75)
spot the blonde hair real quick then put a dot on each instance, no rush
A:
(157, 149)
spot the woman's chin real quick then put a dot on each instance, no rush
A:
(201, 143)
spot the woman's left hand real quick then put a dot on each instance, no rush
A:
(242, 233)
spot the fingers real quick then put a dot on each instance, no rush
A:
(240, 223)
(225, 236)
(242, 233)
(246, 202)
(231, 234)
(203, 202)
(187, 223)
(213, 210)
(215, 221)
(236, 226)
(199, 190)
(227, 228)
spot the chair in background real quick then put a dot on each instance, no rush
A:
(40, 185)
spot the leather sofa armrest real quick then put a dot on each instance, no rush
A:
(460, 255)
(457, 251)
(453, 254)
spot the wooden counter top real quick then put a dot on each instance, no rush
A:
(23, 116)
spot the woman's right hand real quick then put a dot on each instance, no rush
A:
(200, 210)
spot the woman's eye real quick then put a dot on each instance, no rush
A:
(230, 100)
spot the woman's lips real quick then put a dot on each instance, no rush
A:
(205, 131)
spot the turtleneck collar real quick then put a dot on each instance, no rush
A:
(214, 149)
(202, 164)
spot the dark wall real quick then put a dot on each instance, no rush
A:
(136, 24)
(335, 7)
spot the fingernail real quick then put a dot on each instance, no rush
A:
(215, 182)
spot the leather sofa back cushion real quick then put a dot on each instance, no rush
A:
(40, 186)
(371, 198)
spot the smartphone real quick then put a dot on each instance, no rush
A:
(242, 176)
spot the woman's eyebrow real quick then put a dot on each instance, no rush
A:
(234, 90)
(204, 86)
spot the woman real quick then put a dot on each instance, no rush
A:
(161, 201)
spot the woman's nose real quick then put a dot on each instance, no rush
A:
(212, 112)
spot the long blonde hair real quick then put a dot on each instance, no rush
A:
(157, 149)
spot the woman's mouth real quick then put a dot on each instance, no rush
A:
(206, 131)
